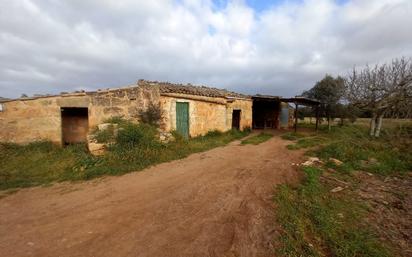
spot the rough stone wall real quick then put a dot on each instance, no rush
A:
(125, 103)
(28, 120)
(245, 115)
(206, 114)
(203, 116)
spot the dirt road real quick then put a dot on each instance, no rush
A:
(216, 203)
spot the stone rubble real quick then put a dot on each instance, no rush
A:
(335, 161)
(96, 148)
(312, 161)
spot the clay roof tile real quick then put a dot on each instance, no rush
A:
(166, 87)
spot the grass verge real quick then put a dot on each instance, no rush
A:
(318, 222)
(389, 154)
(136, 148)
(255, 140)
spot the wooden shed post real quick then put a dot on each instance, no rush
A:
(317, 117)
(296, 117)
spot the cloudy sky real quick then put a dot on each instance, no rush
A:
(274, 47)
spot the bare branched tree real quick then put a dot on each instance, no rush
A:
(381, 89)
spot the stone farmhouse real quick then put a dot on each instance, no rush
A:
(190, 110)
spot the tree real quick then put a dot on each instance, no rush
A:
(329, 92)
(346, 111)
(380, 90)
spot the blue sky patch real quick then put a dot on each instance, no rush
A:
(262, 5)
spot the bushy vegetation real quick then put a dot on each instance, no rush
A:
(316, 222)
(104, 136)
(136, 147)
(257, 139)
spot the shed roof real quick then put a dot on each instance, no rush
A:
(3, 99)
(266, 97)
(301, 100)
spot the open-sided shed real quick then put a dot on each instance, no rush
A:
(299, 100)
(273, 112)
(265, 111)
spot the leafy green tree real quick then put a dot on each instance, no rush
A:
(329, 91)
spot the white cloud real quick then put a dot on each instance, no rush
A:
(49, 46)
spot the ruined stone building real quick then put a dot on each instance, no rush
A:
(68, 117)
(190, 110)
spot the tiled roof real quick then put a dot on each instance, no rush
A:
(3, 99)
(166, 87)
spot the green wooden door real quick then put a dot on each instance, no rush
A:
(182, 119)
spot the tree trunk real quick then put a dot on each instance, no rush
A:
(379, 125)
(372, 125)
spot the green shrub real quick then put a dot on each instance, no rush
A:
(104, 136)
(117, 120)
(132, 135)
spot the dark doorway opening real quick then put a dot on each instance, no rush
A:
(236, 119)
(75, 125)
(265, 113)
